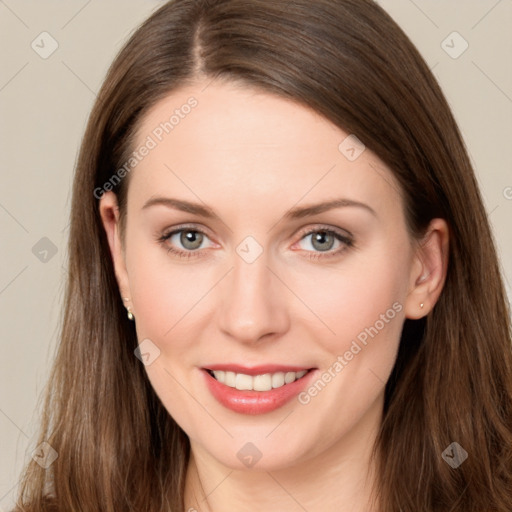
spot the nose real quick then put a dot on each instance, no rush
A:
(253, 302)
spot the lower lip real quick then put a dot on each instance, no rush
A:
(255, 402)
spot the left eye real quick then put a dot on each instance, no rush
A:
(324, 240)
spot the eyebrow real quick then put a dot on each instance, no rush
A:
(305, 211)
(293, 213)
(184, 206)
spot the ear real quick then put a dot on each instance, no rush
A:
(428, 271)
(109, 212)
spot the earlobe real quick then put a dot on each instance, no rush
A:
(428, 271)
(109, 213)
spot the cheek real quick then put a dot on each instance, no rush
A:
(362, 304)
(360, 298)
(168, 311)
(165, 292)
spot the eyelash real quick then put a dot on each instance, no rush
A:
(347, 242)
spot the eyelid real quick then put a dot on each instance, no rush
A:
(182, 227)
(325, 227)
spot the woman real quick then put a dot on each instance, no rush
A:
(283, 292)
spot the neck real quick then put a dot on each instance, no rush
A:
(340, 479)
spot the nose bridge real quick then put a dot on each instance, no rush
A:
(251, 305)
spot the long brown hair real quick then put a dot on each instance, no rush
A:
(118, 447)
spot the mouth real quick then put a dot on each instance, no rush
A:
(258, 382)
(256, 390)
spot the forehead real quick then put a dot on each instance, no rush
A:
(226, 140)
(230, 116)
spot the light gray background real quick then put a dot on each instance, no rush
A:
(44, 104)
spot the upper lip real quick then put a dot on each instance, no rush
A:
(256, 370)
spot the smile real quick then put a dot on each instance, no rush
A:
(256, 390)
(263, 382)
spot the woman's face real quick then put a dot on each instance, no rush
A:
(261, 243)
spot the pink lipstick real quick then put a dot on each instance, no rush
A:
(255, 390)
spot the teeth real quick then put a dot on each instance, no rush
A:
(243, 382)
(278, 380)
(264, 382)
(289, 377)
(228, 378)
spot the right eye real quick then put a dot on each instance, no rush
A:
(189, 238)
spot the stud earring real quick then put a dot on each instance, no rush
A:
(421, 305)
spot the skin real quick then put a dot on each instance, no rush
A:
(252, 156)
